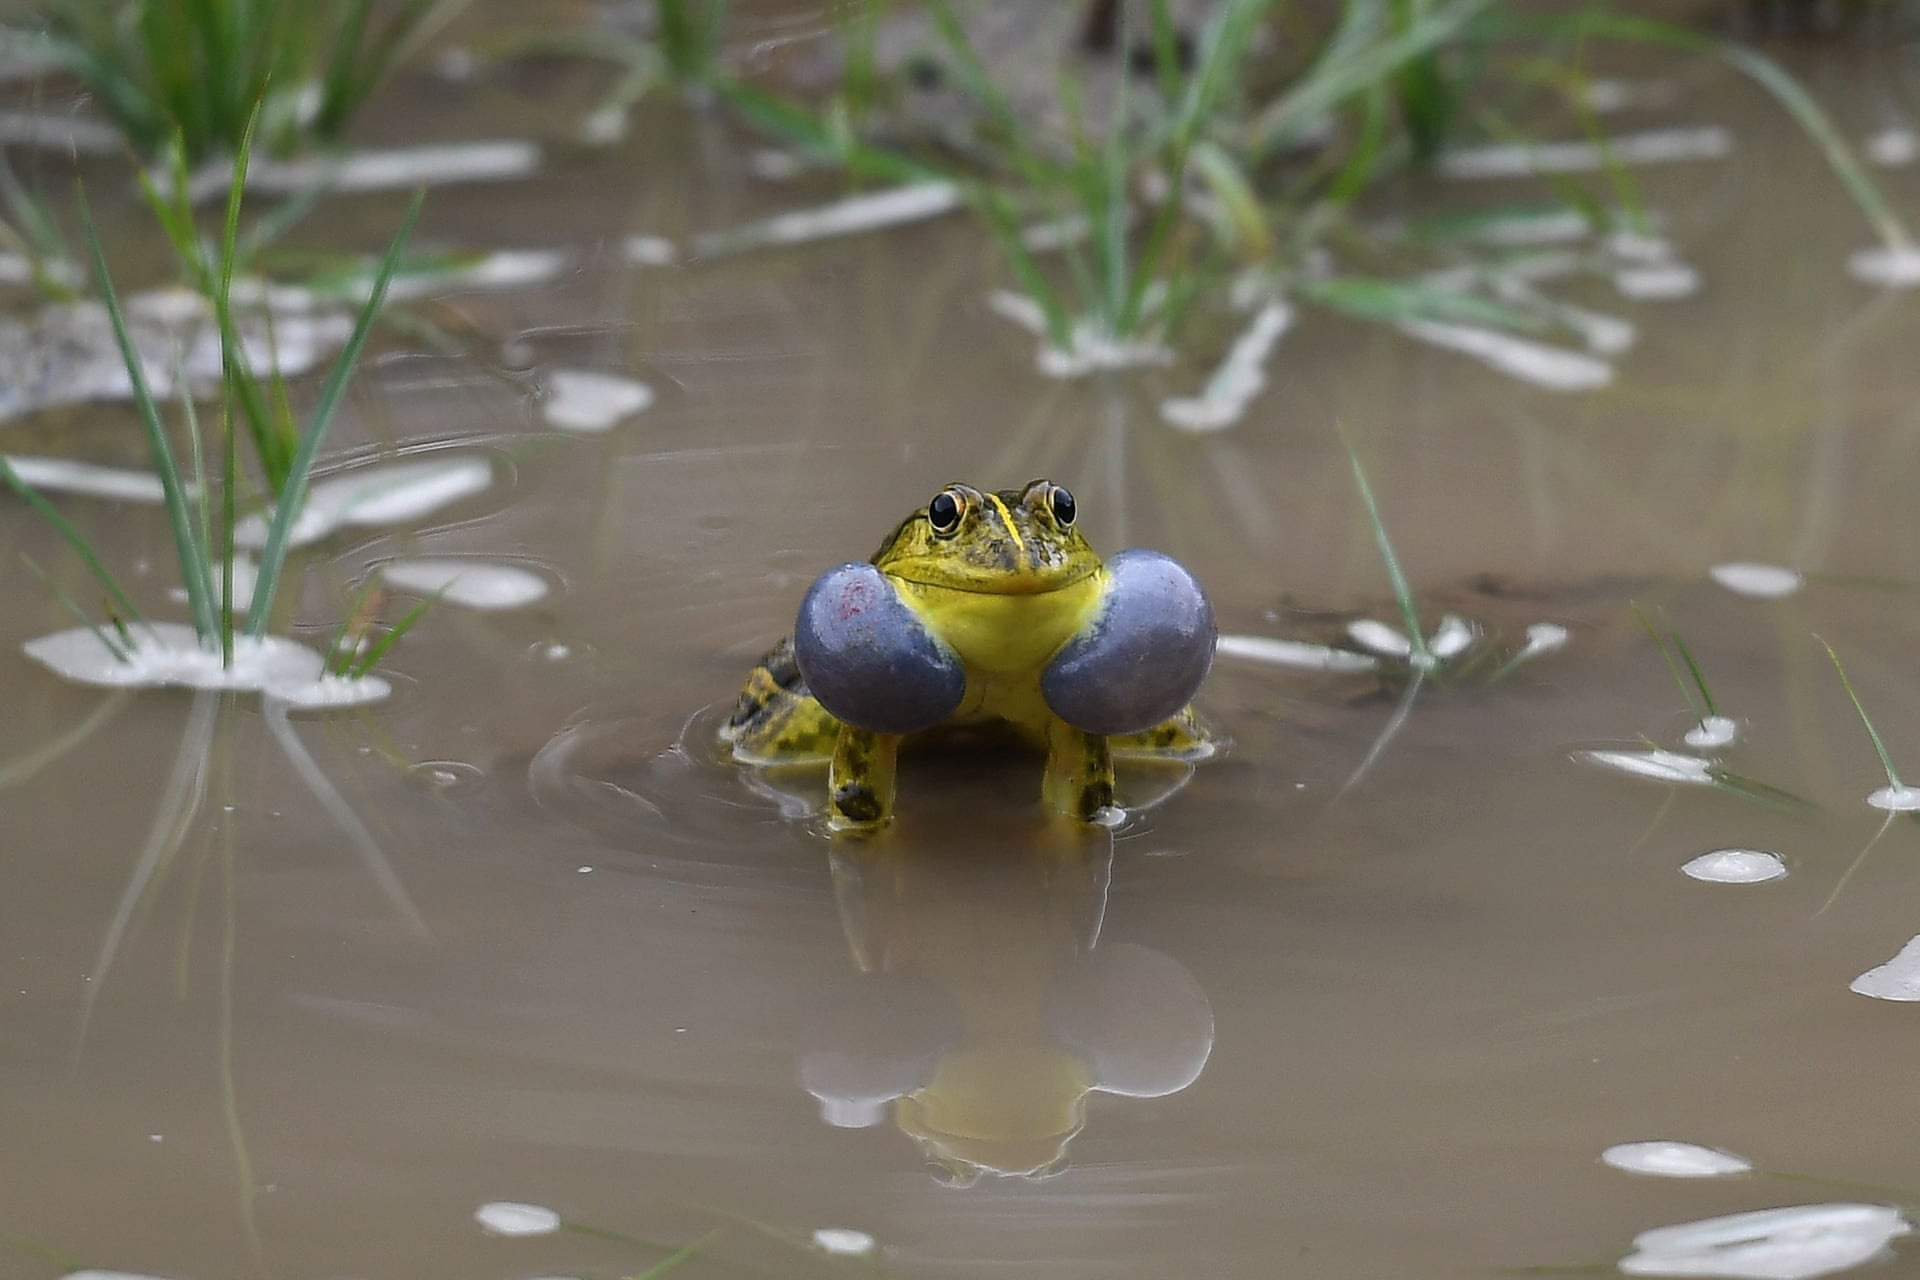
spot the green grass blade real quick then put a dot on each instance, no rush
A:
(379, 648)
(71, 536)
(1402, 592)
(293, 493)
(192, 557)
(73, 607)
(677, 1259)
(1666, 655)
(1693, 669)
(1880, 748)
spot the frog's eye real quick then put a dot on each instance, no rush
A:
(943, 513)
(1060, 502)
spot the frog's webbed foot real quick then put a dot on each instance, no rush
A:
(860, 779)
(873, 665)
(1180, 737)
(1079, 779)
(1143, 656)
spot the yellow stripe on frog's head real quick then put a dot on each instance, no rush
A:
(1013, 542)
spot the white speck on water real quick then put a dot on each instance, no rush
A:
(1661, 766)
(869, 212)
(555, 652)
(1240, 377)
(1451, 638)
(583, 870)
(476, 584)
(1294, 653)
(1897, 979)
(1542, 638)
(1635, 246)
(332, 691)
(429, 166)
(1092, 349)
(1712, 731)
(1665, 1159)
(1763, 581)
(1736, 866)
(1056, 233)
(1797, 1242)
(1657, 282)
(156, 1137)
(1522, 160)
(1893, 147)
(843, 1241)
(1539, 363)
(376, 495)
(1901, 799)
(1887, 265)
(1369, 633)
(771, 164)
(63, 475)
(651, 251)
(512, 1218)
(169, 653)
(91, 1274)
(501, 269)
(591, 402)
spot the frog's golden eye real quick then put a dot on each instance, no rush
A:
(944, 512)
(1060, 502)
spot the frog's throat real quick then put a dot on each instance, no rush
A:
(1002, 632)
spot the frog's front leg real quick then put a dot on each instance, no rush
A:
(1079, 781)
(860, 779)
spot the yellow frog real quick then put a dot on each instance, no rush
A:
(983, 606)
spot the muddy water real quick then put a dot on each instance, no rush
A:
(1281, 1020)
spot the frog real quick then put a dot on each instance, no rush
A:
(984, 606)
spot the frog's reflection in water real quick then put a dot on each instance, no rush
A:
(986, 1008)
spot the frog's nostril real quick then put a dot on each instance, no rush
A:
(1145, 654)
(868, 659)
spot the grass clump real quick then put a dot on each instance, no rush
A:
(199, 69)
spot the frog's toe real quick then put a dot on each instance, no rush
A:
(1144, 655)
(868, 659)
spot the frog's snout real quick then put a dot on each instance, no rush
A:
(1144, 655)
(868, 658)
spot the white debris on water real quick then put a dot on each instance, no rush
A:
(1056, 233)
(332, 692)
(63, 475)
(164, 654)
(1711, 732)
(1240, 377)
(1897, 979)
(1553, 368)
(1736, 866)
(1091, 347)
(1894, 267)
(650, 251)
(1896, 799)
(1523, 160)
(1451, 638)
(1797, 1242)
(1657, 282)
(431, 165)
(513, 1218)
(56, 131)
(1382, 639)
(1762, 581)
(1666, 1159)
(499, 269)
(1660, 766)
(93, 1274)
(1542, 638)
(843, 1242)
(591, 402)
(1893, 147)
(476, 584)
(376, 495)
(1293, 653)
(872, 211)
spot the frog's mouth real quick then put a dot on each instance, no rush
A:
(1024, 580)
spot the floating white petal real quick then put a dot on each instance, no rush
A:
(1542, 637)
(1659, 146)
(1379, 637)
(1895, 268)
(843, 1241)
(1794, 1243)
(376, 495)
(869, 212)
(1293, 653)
(1897, 979)
(1892, 148)
(63, 475)
(1712, 731)
(1539, 363)
(331, 691)
(477, 584)
(1657, 282)
(589, 401)
(1736, 866)
(170, 654)
(1661, 766)
(1240, 377)
(1766, 581)
(1451, 638)
(1896, 799)
(512, 1218)
(1673, 1160)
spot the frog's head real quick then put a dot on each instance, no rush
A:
(1014, 542)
